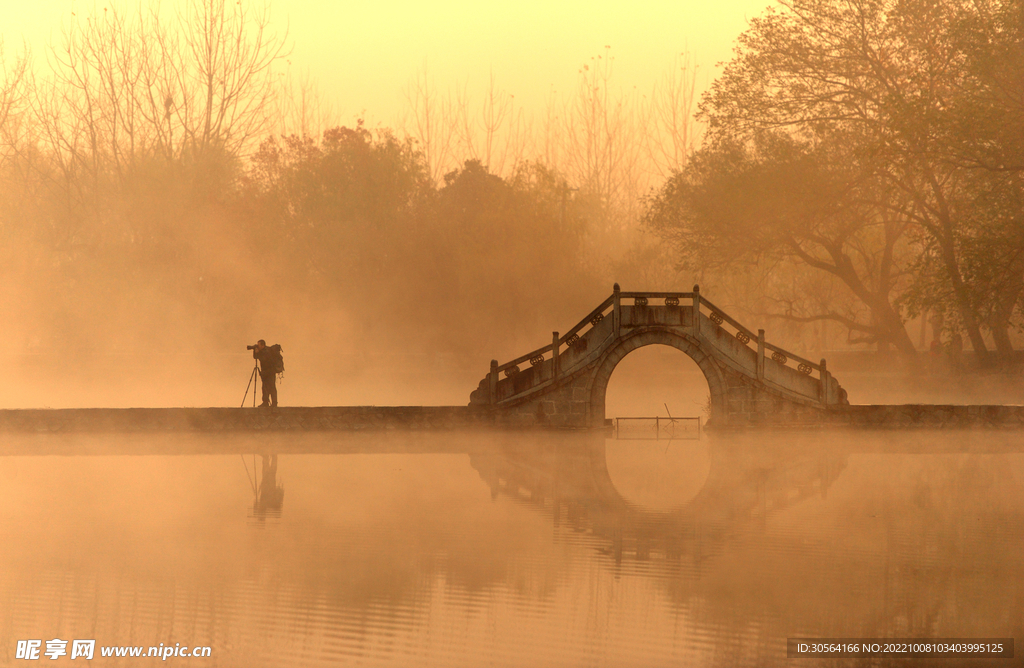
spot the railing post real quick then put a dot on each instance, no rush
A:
(492, 379)
(824, 383)
(760, 354)
(696, 310)
(616, 310)
(554, 356)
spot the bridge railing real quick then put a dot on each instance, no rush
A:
(782, 356)
(655, 295)
(589, 319)
(792, 356)
(727, 318)
(547, 352)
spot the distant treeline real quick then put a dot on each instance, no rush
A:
(861, 166)
(149, 199)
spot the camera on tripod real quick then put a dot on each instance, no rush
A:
(252, 347)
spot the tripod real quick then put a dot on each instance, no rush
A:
(252, 383)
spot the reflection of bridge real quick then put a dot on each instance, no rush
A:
(899, 562)
(751, 381)
(573, 485)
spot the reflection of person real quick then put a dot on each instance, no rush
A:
(271, 363)
(271, 495)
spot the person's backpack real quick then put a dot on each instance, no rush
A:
(276, 359)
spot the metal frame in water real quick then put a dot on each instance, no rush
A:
(668, 431)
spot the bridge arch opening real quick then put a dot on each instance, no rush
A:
(650, 473)
(649, 378)
(709, 369)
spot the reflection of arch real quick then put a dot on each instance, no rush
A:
(739, 486)
(572, 483)
(647, 337)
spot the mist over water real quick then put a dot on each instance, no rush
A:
(509, 549)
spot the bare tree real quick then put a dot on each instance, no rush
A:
(600, 131)
(431, 120)
(451, 128)
(302, 107)
(125, 85)
(672, 131)
(227, 87)
(88, 108)
(505, 136)
(13, 97)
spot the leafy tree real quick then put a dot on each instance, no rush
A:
(339, 219)
(354, 219)
(785, 205)
(985, 134)
(883, 77)
(517, 249)
(986, 127)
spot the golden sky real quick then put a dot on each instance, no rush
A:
(365, 54)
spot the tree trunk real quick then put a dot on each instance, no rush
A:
(887, 316)
(882, 312)
(942, 230)
(1006, 301)
(963, 300)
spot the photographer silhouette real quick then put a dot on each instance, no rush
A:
(271, 364)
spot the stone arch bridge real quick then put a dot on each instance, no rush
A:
(752, 381)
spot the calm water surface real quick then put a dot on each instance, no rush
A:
(509, 550)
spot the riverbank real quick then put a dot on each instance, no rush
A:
(445, 418)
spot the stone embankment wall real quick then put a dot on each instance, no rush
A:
(888, 416)
(326, 418)
(933, 416)
(557, 411)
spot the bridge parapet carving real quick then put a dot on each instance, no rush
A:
(751, 380)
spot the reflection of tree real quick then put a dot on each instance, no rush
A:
(949, 551)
